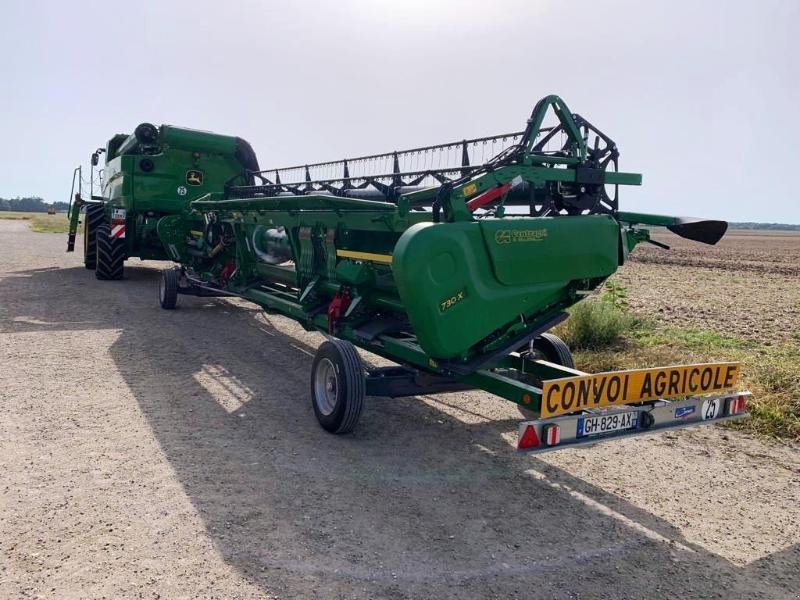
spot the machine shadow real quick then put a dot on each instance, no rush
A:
(416, 503)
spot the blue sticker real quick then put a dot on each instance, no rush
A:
(684, 411)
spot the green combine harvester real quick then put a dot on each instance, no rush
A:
(453, 261)
(147, 175)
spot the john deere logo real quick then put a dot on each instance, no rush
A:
(194, 177)
(507, 236)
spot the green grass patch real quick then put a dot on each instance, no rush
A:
(16, 216)
(44, 223)
(41, 222)
(771, 373)
(694, 339)
(607, 337)
(594, 324)
(602, 322)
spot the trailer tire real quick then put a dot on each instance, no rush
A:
(338, 386)
(551, 348)
(95, 213)
(168, 288)
(110, 255)
(554, 350)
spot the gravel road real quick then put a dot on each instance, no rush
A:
(154, 454)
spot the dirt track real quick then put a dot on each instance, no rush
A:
(148, 453)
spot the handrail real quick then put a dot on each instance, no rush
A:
(76, 172)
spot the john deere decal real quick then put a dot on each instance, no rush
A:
(194, 177)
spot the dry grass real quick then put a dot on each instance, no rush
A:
(41, 222)
(738, 300)
(770, 372)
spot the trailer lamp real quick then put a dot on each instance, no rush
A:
(551, 434)
(735, 406)
(529, 439)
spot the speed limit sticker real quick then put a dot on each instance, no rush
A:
(711, 408)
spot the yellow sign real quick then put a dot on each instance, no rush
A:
(571, 394)
(470, 189)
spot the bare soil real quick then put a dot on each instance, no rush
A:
(747, 286)
(154, 454)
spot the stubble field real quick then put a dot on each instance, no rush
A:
(738, 300)
(747, 286)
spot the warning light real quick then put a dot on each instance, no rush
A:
(526, 398)
(529, 439)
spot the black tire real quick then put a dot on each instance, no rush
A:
(168, 288)
(338, 386)
(95, 213)
(554, 350)
(110, 255)
(551, 348)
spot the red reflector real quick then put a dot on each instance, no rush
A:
(736, 405)
(529, 439)
(552, 435)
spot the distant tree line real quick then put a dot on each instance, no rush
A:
(31, 204)
(768, 226)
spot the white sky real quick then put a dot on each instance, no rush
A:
(701, 97)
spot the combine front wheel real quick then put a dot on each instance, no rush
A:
(110, 254)
(338, 386)
(94, 218)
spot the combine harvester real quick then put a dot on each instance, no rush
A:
(452, 261)
(147, 175)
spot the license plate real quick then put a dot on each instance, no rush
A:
(607, 423)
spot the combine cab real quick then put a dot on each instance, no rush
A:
(453, 261)
(155, 172)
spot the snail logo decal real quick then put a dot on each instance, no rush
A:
(509, 236)
(194, 177)
(502, 236)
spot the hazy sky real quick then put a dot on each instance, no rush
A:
(701, 97)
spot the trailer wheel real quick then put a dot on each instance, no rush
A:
(110, 254)
(553, 349)
(94, 218)
(338, 386)
(168, 288)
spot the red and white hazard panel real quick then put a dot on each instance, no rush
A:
(118, 223)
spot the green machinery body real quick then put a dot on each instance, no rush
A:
(448, 269)
(452, 261)
(156, 172)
